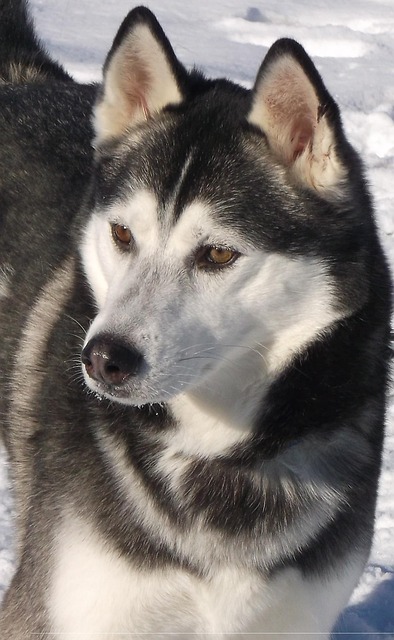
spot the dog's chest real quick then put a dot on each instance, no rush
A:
(95, 591)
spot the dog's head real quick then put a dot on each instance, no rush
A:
(219, 217)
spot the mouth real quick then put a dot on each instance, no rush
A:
(130, 394)
(116, 370)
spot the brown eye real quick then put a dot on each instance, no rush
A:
(122, 236)
(218, 255)
(215, 257)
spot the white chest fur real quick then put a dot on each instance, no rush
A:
(96, 593)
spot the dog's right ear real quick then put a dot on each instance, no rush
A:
(142, 75)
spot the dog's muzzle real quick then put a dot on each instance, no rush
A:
(110, 362)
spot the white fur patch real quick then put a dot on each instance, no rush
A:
(6, 272)
(208, 429)
(305, 608)
(95, 592)
(94, 259)
(101, 261)
(140, 214)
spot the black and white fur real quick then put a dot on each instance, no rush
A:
(214, 470)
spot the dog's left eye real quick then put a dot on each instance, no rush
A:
(215, 257)
(122, 236)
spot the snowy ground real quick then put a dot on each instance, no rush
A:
(352, 43)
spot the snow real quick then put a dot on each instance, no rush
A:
(352, 44)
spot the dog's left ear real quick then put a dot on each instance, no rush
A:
(300, 119)
(142, 75)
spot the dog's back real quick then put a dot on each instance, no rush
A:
(45, 159)
(22, 56)
(44, 166)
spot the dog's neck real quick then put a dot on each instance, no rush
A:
(220, 413)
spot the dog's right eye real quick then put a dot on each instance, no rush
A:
(215, 257)
(122, 236)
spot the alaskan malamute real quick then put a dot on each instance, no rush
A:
(194, 321)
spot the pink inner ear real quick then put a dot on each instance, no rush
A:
(285, 107)
(136, 82)
(301, 136)
(144, 107)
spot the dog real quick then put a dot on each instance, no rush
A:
(195, 312)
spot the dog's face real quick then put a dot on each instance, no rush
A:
(205, 200)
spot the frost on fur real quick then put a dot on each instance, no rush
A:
(140, 76)
(293, 108)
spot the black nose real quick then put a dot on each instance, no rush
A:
(109, 361)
